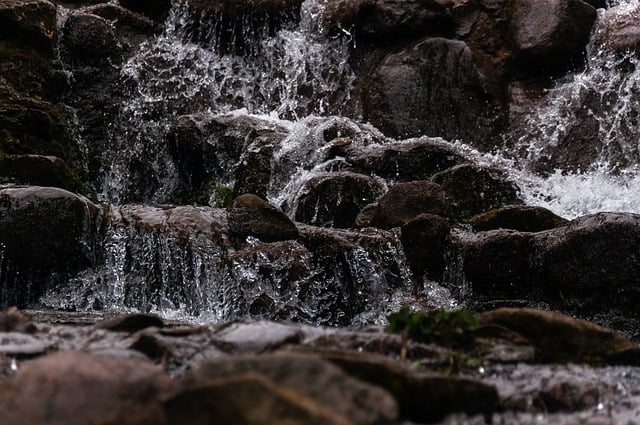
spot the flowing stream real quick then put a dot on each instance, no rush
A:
(298, 80)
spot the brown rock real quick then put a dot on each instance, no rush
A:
(297, 378)
(524, 218)
(250, 215)
(78, 388)
(405, 201)
(558, 338)
(32, 22)
(131, 323)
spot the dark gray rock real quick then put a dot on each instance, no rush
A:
(336, 199)
(344, 399)
(425, 240)
(405, 201)
(436, 88)
(30, 22)
(78, 388)
(45, 233)
(408, 160)
(472, 189)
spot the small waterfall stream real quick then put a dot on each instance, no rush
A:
(289, 87)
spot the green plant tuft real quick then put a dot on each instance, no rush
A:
(449, 328)
(221, 197)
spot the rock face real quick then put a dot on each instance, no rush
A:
(32, 22)
(436, 88)
(425, 240)
(44, 233)
(405, 201)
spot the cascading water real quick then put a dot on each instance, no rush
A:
(294, 81)
(577, 152)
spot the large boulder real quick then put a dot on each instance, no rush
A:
(45, 233)
(39, 170)
(336, 199)
(436, 88)
(405, 201)
(592, 262)
(524, 218)
(407, 160)
(550, 33)
(78, 388)
(90, 39)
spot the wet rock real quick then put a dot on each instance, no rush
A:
(408, 160)
(257, 337)
(524, 218)
(44, 233)
(424, 240)
(496, 262)
(472, 189)
(32, 22)
(435, 88)
(96, 389)
(558, 338)
(210, 150)
(374, 20)
(151, 346)
(405, 201)
(250, 215)
(155, 9)
(131, 323)
(40, 170)
(552, 33)
(421, 397)
(592, 262)
(301, 377)
(90, 39)
(336, 199)
(619, 30)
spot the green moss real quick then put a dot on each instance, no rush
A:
(221, 197)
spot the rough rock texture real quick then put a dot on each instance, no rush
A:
(523, 218)
(40, 170)
(32, 22)
(250, 215)
(338, 397)
(336, 199)
(79, 388)
(408, 160)
(471, 189)
(424, 240)
(44, 233)
(405, 201)
(435, 88)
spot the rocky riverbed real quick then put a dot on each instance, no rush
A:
(516, 366)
